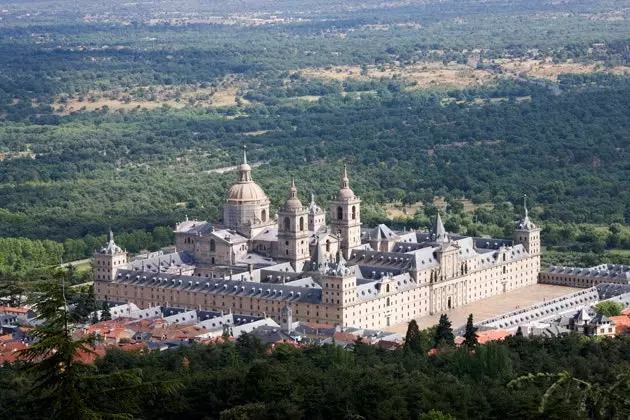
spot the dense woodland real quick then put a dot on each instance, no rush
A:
(572, 377)
(68, 176)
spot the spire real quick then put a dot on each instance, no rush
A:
(525, 223)
(245, 170)
(293, 190)
(111, 235)
(345, 182)
(440, 232)
(311, 201)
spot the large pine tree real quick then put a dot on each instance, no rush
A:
(106, 315)
(413, 341)
(63, 386)
(444, 333)
(470, 336)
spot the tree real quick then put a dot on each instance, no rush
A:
(413, 343)
(444, 333)
(63, 386)
(519, 331)
(106, 315)
(435, 415)
(609, 308)
(470, 336)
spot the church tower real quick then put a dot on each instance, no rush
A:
(527, 234)
(346, 216)
(293, 244)
(108, 260)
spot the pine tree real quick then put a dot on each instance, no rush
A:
(413, 343)
(106, 315)
(470, 336)
(444, 333)
(94, 319)
(64, 387)
(519, 332)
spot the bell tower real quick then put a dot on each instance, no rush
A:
(293, 244)
(526, 232)
(346, 216)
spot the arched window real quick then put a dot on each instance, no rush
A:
(287, 223)
(339, 213)
(504, 270)
(327, 245)
(301, 223)
(263, 215)
(387, 301)
(213, 246)
(387, 288)
(354, 212)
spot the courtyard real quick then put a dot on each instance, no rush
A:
(492, 306)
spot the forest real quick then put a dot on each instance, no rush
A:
(570, 377)
(113, 116)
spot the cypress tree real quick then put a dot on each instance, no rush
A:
(106, 315)
(470, 336)
(413, 342)
(444, 333)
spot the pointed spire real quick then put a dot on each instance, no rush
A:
(311, 199)
(111, 235)
(440, 232)
(245, 174)
(525, 223)
(293, 190)
(345, 182)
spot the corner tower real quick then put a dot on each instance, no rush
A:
(526, 233)
(293, 244)
(108, 260)
(346, 216)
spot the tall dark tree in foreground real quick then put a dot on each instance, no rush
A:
(106, 315)
(413, 341)
(63, 386)
(444, 333)
(470, 336)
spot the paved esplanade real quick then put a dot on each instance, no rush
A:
(492, 306)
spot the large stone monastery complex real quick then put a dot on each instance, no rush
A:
(295, 266)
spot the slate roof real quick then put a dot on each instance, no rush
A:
(220, 286)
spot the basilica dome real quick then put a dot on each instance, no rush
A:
(245, 192)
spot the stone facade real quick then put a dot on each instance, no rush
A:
(342, 274)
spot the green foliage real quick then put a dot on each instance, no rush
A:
(609, 308)
(435, 415)
(470, 335)
(413, 340)
(106, 315)
(444, 333)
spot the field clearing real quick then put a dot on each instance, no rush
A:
(396, 209)
(150, 97)
(551, 71)
(425, 75)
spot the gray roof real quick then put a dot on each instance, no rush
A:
(610, 272)
(220, 286)
(165, 262)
